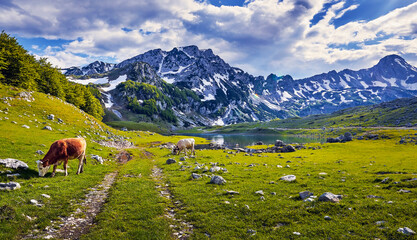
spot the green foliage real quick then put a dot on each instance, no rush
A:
(20, 69)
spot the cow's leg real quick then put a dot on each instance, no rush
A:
(53, 171)
(65, 166)
(80, 164)
(193, 150)
(83, 160)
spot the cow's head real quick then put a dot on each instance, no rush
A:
(41, 168)
(175, 150)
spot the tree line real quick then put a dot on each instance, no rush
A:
(20, 69)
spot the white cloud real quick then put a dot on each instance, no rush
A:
(261, 37)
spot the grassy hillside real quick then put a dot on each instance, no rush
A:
(21, 143)
(137, 209)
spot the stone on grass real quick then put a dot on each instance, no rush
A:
(404, 191)
(9, 186)
(230, 192)
(327, 218)
(13, 176)
(97, 158)
(170, 161)
(288, 148)
(305, 194)
(288, 178)
(279, 143)
(217, 180)
(215, 169)
(35, 202)
(385, 180)
(40, 152)
(183, 158)
(296, 233)
(251, 231)
(329, 197)
(13, 163)
(406, 231)
(310, 199)
(50, 117)
(195, 176)
(260, 192)
(45, 195)
(25, 126)
(47, 128)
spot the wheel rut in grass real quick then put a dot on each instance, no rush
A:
(181, 229)
(79, 222)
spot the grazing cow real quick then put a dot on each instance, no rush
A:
(62, 151)
(184, 144)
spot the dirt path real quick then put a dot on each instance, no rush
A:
(181, 229)
(80, 221)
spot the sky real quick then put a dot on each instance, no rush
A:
(296, 37)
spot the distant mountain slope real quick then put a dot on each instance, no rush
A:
(396, 113)
(229, 95)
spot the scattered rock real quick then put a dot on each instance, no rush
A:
(25, 126)
(260, 143)
(406, 231)
(380, 223)
(288, 178)
(260, 192)
(296, 233)
(40, 152)
(279, 143)
(385, 180)
(215, 169)
(45, 195)
(60, 120)
(13, 176)
(50, 117)
(273, 193)
(288, 148)
(327, 218)
(47, 128)
(171, 161)
(322, 173)
(329, 197)
(183, 158)
(251, 231)
(230, 192)
(217, 180)
(262, 198)
(35, 202)
(13, 163)
(195, 176)
(305, 194)
(310, 199)
(404, 191)
(97, 158)
(9, 186)
(373, 196)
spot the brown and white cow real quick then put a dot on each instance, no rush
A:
(183, 145)
(62, 151)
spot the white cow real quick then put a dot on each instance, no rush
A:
(183, 145)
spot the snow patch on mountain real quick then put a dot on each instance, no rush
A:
(114, 83)
(89, 80)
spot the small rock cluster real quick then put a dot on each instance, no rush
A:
(342, 138)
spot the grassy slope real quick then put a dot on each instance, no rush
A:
(134, 209)
(21, 143)
(354, 217)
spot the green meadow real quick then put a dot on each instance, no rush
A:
(135, 209)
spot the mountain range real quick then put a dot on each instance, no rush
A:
(229, 95)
